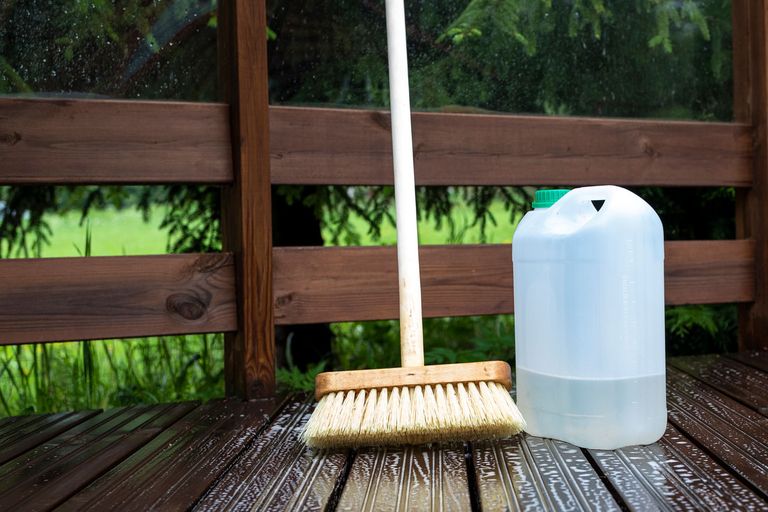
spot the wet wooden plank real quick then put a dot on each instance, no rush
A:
(46, 486)
(6, 421)
(60, 446)
(674, 474)
(10, 424)
(409, 478)
(172, 438)
(528, 472)
(16, 423)
(184, 478)
(336, 284)
(734, 434)
(59, 299)
(124, 481)
(755, 358)
(34, 433)
(277, 472)
(741, 382)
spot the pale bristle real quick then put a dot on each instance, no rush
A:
(413, 415)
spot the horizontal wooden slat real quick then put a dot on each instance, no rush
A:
(709, 272)
(107, 141)
(115, 297)
(360, 283)
(110, 141)
(353, 147)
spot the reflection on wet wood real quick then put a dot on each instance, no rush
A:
(734, 433)
(78, 462)
(124, 482)
(410, 478)
(737, 380)
(236, 455)
(62, 445)
(277, 472)
(756, 358)
(21, 437)
(187, 474)
(531, 473)
(674, 474)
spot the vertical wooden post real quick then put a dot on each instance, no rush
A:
(246, 205)
(750, 91)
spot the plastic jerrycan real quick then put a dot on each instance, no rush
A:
(589, 318)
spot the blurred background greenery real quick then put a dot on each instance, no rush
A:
(665, 59)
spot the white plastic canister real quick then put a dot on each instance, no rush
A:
(589, 318)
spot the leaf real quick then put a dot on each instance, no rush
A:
(656, 41)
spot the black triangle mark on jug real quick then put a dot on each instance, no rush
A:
(598, 203)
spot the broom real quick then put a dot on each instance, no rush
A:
(414, 404)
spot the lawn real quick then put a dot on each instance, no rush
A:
(125, 232)
(113, 233)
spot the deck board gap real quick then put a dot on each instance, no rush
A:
(341, 482)
(606, 481)
(474, 492)
(280, 406)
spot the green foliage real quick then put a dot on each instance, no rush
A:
(677, 14)
(292, 379)
(699, 329)
(96, 374)
(446, 340)
(125, 49)
(192, 218)
(527, 21)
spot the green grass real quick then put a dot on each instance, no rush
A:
(97, 374)
(465, 231)
(113, 232)
(124, 232)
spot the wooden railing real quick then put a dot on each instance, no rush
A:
(252, 285)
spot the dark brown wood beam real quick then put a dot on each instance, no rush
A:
(48, 141)
(750, 66)
(60, 299)
(247, 207)
(352, 147)
(98, 141)
(335, 284)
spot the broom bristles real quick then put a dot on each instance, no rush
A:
(413, 415)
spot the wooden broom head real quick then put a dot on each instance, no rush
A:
(426, 404)
(357, 380)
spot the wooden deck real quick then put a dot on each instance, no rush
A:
(230, 454)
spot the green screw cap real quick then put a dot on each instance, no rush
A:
(548, 197)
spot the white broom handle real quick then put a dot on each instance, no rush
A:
(411, 338)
